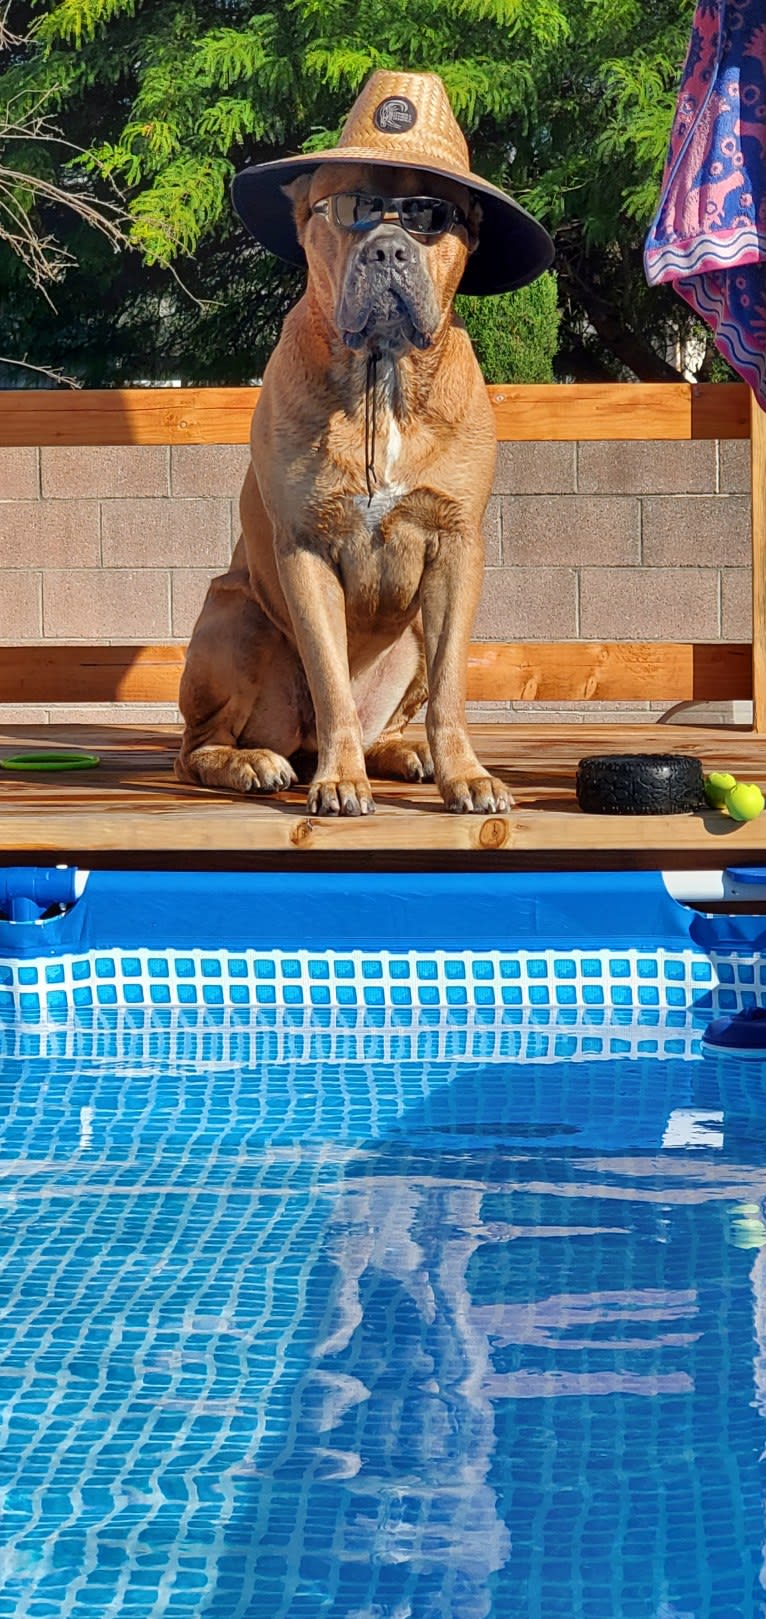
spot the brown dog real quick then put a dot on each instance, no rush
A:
(353, 587)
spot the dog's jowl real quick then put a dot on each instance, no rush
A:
(353, 587)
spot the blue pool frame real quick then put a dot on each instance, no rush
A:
(363, 911)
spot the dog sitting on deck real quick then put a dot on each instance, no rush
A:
(353, 588)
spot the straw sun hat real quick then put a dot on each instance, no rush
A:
(403, 120)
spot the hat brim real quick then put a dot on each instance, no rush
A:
(514, 248)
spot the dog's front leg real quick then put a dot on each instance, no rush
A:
(449, 598)
(314, 596)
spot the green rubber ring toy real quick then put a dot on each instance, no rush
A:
(51, 761)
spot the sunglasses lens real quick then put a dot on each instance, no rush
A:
(421, 216)
(425, 216)
(355, 211)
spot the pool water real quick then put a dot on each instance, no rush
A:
(353, 1320)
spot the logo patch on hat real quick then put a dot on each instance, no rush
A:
(395, 115)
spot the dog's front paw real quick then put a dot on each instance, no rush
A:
(478, 795)
(242, 770)
(340, 798)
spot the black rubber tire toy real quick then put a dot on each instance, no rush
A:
(640, 784)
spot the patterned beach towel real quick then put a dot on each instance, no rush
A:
(709, 234)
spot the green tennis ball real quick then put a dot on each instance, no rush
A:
(717, 785)
(744, 801)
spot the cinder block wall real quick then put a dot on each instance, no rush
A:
(592, 541)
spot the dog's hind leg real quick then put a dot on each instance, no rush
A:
(395, 756)
(392, 754)
(243, 696)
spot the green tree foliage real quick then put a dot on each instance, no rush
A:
(567, 103)
(515, 336)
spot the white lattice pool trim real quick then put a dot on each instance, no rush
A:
(208, 1040)
(611, 980)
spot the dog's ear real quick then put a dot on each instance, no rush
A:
(475, 216)
(298, 192)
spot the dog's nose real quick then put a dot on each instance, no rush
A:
(389, 248)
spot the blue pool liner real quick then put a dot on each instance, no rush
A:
(555, 942)
(378, 1245)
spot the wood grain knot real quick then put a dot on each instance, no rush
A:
(302, 832)
(494, 833)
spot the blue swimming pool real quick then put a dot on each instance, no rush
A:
(436, 1308)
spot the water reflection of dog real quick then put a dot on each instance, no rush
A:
(393, 1421)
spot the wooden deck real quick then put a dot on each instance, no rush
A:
(131, 812)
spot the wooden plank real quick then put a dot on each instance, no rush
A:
(758, 492)
(717, 414)
(90, 674)
(222, 415)
(127, 416)
(231, 830)
(498, 671)
(583, 671)
(132, 808)
(638, 410)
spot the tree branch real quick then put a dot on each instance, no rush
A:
(44, 370)
(44, 259)
(639, 357)
(584, 365)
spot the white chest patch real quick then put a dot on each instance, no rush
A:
(383, 500)
(393, 449)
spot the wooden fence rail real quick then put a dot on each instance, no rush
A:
(666, 410)
(498, 671)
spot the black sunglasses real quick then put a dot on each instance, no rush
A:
(426, 217)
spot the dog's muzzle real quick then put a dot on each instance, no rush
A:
(388, 298)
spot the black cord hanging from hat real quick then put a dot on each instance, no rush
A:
(370, 423)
